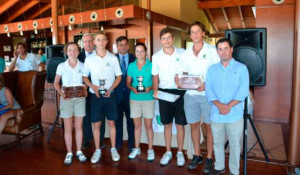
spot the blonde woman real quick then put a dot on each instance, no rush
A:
(70, 72)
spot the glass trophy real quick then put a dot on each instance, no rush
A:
(140, 87)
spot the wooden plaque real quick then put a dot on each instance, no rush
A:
(190, 82)
(74, 92)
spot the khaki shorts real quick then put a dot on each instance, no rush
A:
(72, 107)
(142, 108)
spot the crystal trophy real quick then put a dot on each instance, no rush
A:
(140, 87)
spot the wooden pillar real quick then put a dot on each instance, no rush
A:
(294, 139)
(150, 33)
(64, 32)
(54, 13)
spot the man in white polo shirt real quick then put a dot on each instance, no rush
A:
(196, 61)
(166, 63)
(25, 61)
(87, 50)
(103, 65)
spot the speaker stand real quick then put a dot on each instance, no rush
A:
(246, 118)
(56, 117)
(245, 139)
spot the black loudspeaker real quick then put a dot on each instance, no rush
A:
(250, 48)
(55, 56)
(55, 51)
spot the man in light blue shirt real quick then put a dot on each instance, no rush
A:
(227, 86)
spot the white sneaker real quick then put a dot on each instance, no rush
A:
(134, 153)
(96, 156)
(80, 156)
(151, 155)
(166, 158)
(114, 154)
(68, 159)
(180, 159)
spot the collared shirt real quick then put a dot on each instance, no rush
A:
(126, 59)
(198, 65)
(31, 62)
(134, 72)
(106, 68)
(166, 67)
(70, 76)
(226, 84)
(87, 54)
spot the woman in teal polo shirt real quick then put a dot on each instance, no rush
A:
(141, 103)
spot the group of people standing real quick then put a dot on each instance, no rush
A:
(119, 73)
(219, 100)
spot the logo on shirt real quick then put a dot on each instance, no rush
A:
(204, 56)
(80, 71)
(107, 65)
(177, 59)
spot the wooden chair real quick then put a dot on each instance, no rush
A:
(28, 89)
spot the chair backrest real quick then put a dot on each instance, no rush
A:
(39, 87)
(27, 87)
(24, 92)
(10, 79)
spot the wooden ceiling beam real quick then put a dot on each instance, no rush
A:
(39, 12)
(242, 16)
(205, 4)
(21, 11)
(45, 1)
(211, 20)
(226, 18)
(217, 35)
(107, 14)
(7, 5)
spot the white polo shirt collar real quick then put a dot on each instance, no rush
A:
(167, 66)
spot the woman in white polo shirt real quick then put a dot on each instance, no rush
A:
(70, 72)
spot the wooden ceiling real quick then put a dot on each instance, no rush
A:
(21, 10)
(222, 14)
(228, 14)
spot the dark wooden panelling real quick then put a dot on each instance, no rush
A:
(273, 102)
(6, 41)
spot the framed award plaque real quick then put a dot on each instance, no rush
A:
(190, 82)
(74, 92)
